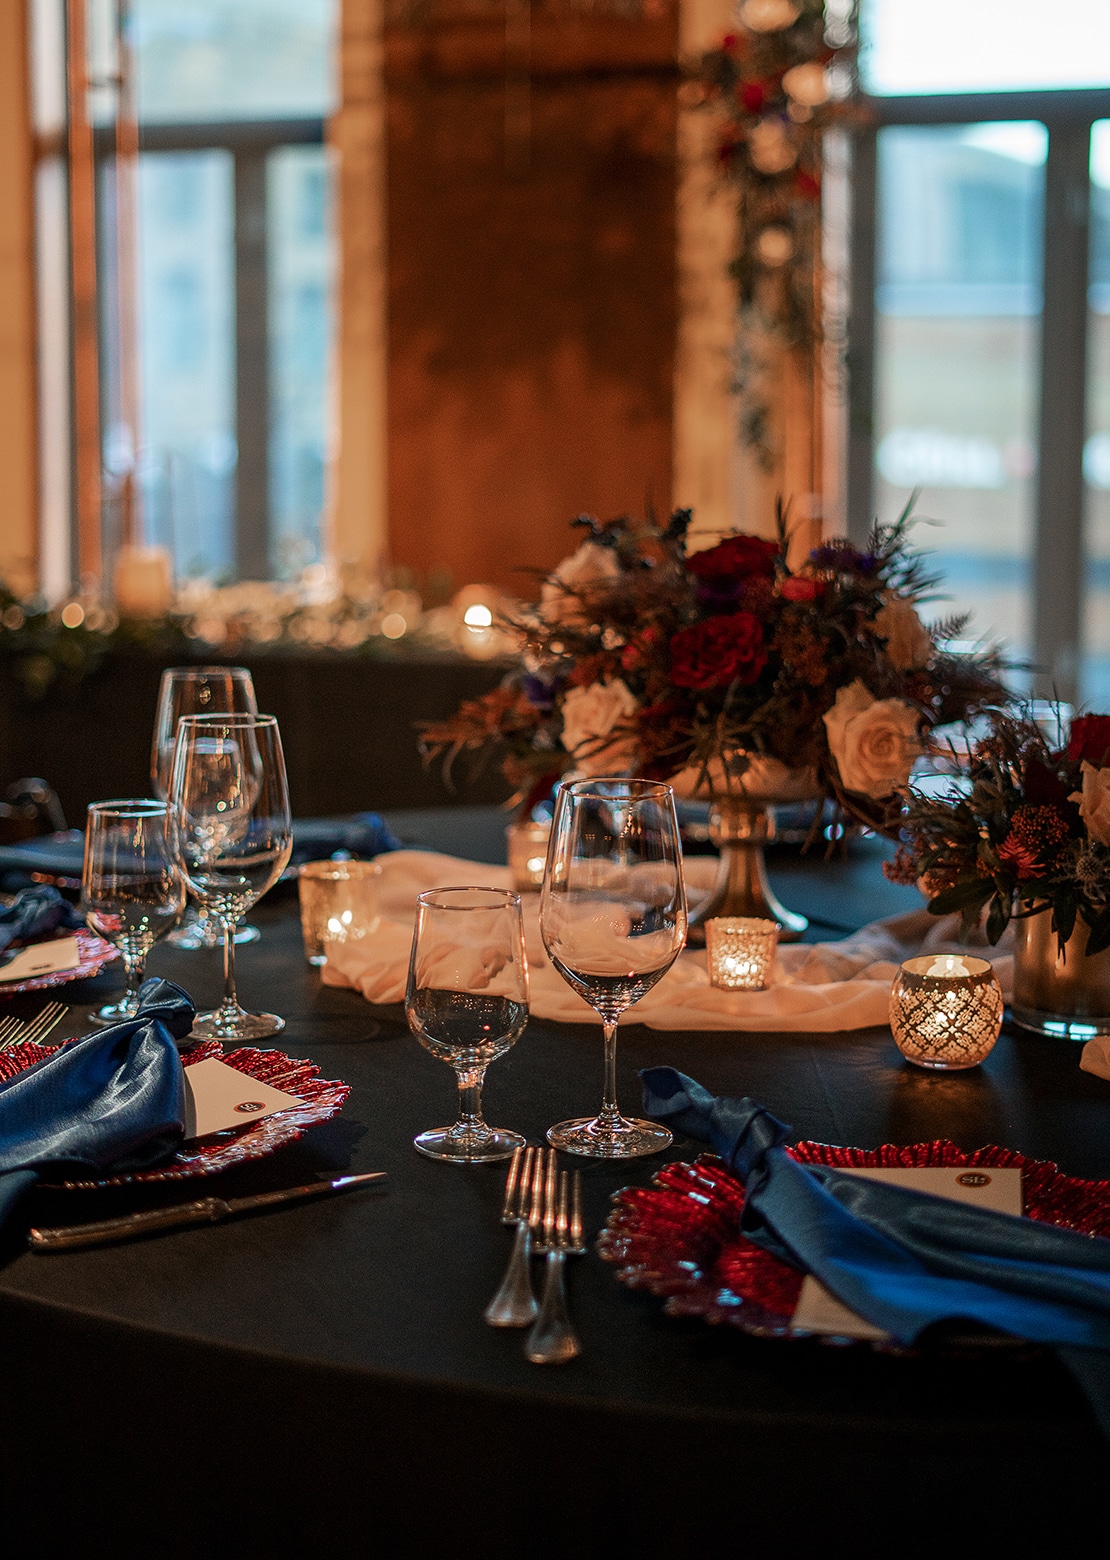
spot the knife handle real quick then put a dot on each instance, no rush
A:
(68, 1236)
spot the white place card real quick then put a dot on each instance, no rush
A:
(218, 1097)
(44, 958)
(991, 1186)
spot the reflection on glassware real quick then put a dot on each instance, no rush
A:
(467, 1003)
(232, 837)
(613, 918)
(197, 690)
(131, 890)
(339, 903)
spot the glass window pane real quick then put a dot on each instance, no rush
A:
(1095, 684)
(984, 45)
(233, 59)
(187, 358)
(957, 334)
(300, 256)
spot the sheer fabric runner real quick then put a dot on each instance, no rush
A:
(816, 987)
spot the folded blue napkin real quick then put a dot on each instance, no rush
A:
(34, 913)
(109, 1102)
(901, 1258)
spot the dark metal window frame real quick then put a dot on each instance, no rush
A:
(1058, 558)
(249, 143)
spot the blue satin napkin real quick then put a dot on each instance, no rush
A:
(34, 913)
(109, 1102)
(900, 1258)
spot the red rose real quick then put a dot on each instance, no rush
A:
(737, 557)
(753, 95)
(796, 587)
(720, 650)
(806, 185)
(1090, 740)
(638, 650)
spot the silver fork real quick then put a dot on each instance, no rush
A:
(514, 1304)
(553, 1340)
(15, 1032)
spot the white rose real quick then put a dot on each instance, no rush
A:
(908, 641)
(874, 741)
(769, 15)
(1094, 802)
(592, 714)
(577, 577)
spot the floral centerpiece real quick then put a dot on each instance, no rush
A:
(1028, 830)
(1025, 839)
(641, 656)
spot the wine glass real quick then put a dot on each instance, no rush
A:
(467, 1003)
(232, 837)
(613, 920)
(131, 890)
(197, 690)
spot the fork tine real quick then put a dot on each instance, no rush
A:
(535, 1211)
(576, 1214)
(43, 1021)
(524, 1186)
(52, 1023)
(9, 1026)
(561, 1218)
(508, 1207)
(549, 1200)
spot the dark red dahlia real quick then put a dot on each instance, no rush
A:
(1090, 740)
(723, 649)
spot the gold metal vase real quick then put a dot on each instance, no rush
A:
(1066, 994)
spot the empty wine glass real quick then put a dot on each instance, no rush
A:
(131, 890)
(197, 690)
(232, 837)
(613, 919)
(467, 1003)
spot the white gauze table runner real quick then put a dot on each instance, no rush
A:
(818, 986)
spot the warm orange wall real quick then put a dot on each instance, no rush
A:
(18, 460)
(531, 310)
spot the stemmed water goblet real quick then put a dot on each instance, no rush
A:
(613, 920)
(467, 1003)
(232, 837)
(131, 889)
(197, 690)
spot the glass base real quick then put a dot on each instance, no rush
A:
(1061, 1026)
(623, 1139)
(235, 1025)
(114, 1013)
(468, 1148)
(207, 934)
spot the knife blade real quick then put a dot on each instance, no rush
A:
(206, 1210)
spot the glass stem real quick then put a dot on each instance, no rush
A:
(231, 999)
(609, 1114)
(134, 966)
(470, 1123)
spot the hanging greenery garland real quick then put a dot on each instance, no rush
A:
(775, 85)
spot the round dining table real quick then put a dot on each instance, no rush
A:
(319, 1380)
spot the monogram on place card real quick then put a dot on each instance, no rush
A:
(45, 958)
(993, 1186)
(218, 1097)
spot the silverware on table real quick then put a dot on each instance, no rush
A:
(207, 1210)
(514, 1304)
(14, 1031)
(553, 1340)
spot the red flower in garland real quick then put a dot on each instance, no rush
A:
(1034, 832)
(798, 587)
(723, 649)
(1090, 740)
(736, 558)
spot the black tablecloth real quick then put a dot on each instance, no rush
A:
(319, 1381)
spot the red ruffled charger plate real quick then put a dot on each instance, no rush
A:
(93, 954)
(680, 1238)
(320, 1100)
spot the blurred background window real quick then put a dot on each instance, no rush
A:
(981, 346)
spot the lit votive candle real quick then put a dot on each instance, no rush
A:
(527, 854)
(339, 903)
(741, 951)
(945, 1010)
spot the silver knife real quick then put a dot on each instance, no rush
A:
(207, 1210)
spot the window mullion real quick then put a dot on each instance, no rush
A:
(1058, 548)
(860, 360)
(252, 367)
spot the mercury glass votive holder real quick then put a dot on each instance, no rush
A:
(527, 846)
(339, 903)
(945, 1011)
(740, 951)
